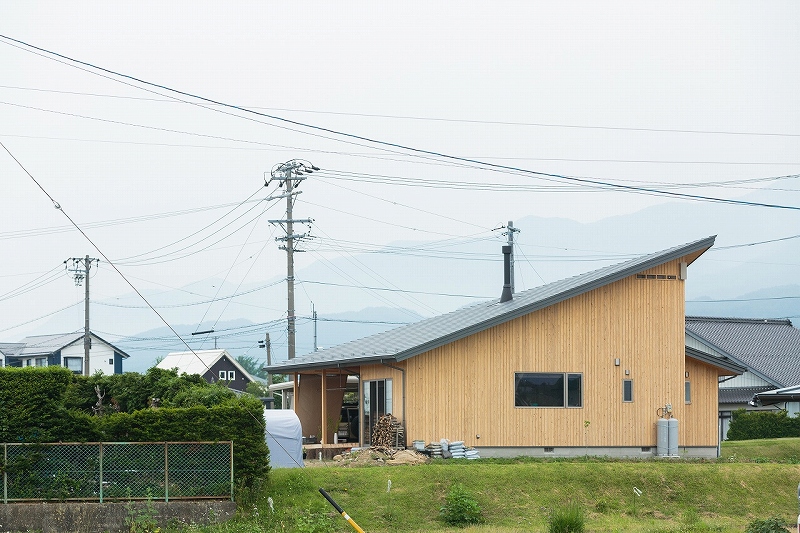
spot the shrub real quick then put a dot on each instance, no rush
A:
(460, 508)
(767, 525)
(568, 519)
(746, 425)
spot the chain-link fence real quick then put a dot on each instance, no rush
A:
(117, 471)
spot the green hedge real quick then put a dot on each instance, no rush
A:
(239, 419)
(52, 404)
(746, 425)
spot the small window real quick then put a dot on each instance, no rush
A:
(548, 449)
(687, 391)
(41, 361)
(627, 390)
(223, 375)
(111, 361)
(231, 375)
(28, 362)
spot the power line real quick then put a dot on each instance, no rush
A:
(437, 119)
(418, 151)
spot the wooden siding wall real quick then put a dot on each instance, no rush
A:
(308, 404)
(466, 388)
(701, 418)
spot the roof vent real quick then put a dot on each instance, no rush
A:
(507, 295)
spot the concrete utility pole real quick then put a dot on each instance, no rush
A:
(268, 345)
(80, 270)
(314, 318)
(510, 231)
(289, 175)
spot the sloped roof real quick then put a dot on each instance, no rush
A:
(769, 348)
(10, 349)
(413, 339)
(721, 362)
(47, 344)
(786, 394)
(739, 394)
(198, 362)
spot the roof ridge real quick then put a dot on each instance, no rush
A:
(774, 321)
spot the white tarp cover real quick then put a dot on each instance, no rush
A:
(284, 438)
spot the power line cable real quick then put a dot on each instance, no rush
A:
(392, 145)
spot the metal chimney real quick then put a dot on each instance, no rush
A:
(507, 295)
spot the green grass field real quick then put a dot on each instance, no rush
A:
(754, 479)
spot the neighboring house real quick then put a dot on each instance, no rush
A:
(578, 366)
(64, 349)
(770, 349)
(216, 366)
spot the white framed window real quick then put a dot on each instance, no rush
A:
(627, 390)
(223, 375)
(231, 375)
(41, 361)
(75, 364)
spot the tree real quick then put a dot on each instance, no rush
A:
(253, 366)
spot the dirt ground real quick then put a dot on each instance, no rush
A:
(371, 457)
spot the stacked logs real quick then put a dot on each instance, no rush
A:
(387, 433)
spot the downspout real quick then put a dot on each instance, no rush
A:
(402, 371)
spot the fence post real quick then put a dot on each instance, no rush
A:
(231, 457)
(166, 472)
(5, 472)
(101, 472)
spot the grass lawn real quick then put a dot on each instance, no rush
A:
(518, 495)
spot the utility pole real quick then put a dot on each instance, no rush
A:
(289, 175)
(80, 270)
(314, 318)
(510, 231)
(268, 345)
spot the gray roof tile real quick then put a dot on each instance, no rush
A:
(770, 348)
(413, 339)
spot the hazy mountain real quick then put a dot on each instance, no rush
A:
(360, 294)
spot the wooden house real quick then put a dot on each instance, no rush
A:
(580, 366)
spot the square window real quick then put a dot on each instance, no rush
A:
(75, 364)
(627, 390)
(223, 375)
(41, 361)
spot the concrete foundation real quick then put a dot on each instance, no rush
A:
(108, 517)
(621, 452)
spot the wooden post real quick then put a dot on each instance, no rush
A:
(324, 437)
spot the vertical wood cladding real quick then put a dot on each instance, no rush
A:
(466, 388)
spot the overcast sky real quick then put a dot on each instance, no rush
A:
(629, 93)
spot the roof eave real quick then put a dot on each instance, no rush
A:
(322, 365)
(735, 359)
(709, 359)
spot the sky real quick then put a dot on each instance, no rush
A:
(430, 122)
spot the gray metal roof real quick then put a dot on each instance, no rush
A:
(413, 339)
(47, 344)
(722, 362)
(10, 349)
(786, 394)
(769, 348)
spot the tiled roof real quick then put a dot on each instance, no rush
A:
(739, 394)
(407, 341)
(769, 348)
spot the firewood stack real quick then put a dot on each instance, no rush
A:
(388, 433)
